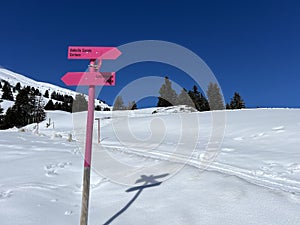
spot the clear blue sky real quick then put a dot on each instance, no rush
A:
(252, 47)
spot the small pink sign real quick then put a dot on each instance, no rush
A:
(86, 52)
(89, 78)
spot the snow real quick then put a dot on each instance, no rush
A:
(255, 178)
(5, 104)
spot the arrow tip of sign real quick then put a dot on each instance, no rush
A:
(111, 54)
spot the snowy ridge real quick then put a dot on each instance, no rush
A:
(13, 78)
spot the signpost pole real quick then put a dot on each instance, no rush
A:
(91, 78)
(88, 152)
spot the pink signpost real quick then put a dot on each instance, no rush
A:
(91, 78)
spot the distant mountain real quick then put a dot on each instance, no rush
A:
(13, 78)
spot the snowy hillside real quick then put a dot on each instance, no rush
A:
(13, 78)
(255, 178)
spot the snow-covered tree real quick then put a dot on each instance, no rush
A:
(39, 114)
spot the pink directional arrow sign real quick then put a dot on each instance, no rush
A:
(85, 52)
(89, 78)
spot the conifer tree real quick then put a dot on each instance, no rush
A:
(46, 95)
(7, 93)
(1, 109)
(39, 114)
(200, 102)
(20, 114)
(49, 105)
(215, 98)
(1, 114)
(98, 108)
(18, 86)
(227, 106)
(185, 99)
(119, 104)
(237, 102)
(132, 105)
(168, 96)
(80, 103)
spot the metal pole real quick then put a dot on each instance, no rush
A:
(88, 152)
(98, 119)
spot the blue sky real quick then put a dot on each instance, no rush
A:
(252, 47)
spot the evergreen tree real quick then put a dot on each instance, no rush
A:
(168, 96)
(46, 95)
(237, 102)
(57, 106)
(80, 103)
(39, 114)
(204, 105)
(227, 106)
(67, 103)
(1, 109)
(200, 102)
(185, 99)
(1, 114)
(18, 86)
(98, 108)
(7, 93)
(215, 98)
(49, 105)
(132, 105)
(21, 113)
(119, 104)
(54, 95)
(37, 92)
(8, 119)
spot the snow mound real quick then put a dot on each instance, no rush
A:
(174, 109)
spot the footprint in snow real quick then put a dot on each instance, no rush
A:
(68, 213)
(238, 139)
(51, 169)
(259, 135)
(5, 194)
(279, 129)
(227, 149)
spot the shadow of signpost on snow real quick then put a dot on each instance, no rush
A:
(149, 181)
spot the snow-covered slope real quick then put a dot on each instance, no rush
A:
(254, 180)
(13, 78)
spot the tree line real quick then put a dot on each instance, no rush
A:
(194, 98)
(29, 104)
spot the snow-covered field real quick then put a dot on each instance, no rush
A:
(255, 178)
